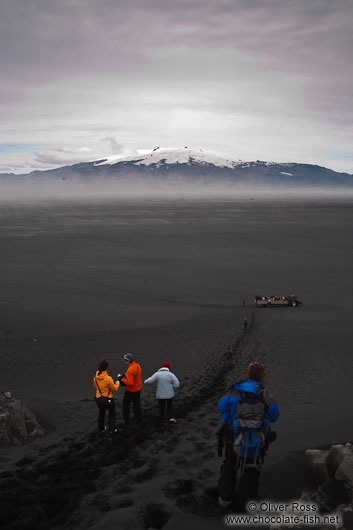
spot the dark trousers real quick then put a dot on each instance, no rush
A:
(228, 477)
(133, 397)
(104, 405)
(162, 403)
(248, 484)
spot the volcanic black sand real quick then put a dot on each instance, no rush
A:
(165, 280)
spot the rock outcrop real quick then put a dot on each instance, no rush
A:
(18, 424)
(329, 481)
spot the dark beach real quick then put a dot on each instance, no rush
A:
(165, 280)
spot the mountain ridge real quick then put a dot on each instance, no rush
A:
(193, 165)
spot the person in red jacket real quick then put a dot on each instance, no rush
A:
(132, 381)
(105, 387)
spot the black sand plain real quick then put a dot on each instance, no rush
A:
(165, 280)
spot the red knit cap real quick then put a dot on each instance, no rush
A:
(166, 365)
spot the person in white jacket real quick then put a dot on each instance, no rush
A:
(166, 382)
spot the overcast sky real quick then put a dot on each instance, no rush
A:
(253, 79)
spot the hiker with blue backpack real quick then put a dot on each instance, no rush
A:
(247, 412)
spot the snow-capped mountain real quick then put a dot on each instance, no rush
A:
(195, 166)
(168, 156)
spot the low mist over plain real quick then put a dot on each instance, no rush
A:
(175, 172)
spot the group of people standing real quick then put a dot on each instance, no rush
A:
(247, 410)
(132, 381)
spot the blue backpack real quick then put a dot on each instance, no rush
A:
(249, 423)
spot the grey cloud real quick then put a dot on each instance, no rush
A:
(67, 37)
(43, 40)
(272, 58)
(115, 147)
(60, 157)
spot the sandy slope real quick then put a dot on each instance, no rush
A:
(150, 476)
(167, 282)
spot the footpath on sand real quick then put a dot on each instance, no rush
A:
(141, 477)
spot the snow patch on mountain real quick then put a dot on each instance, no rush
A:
(177, 155)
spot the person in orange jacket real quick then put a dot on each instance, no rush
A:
(105, 387)
(132, 381)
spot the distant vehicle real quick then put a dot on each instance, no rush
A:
(269, 301)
